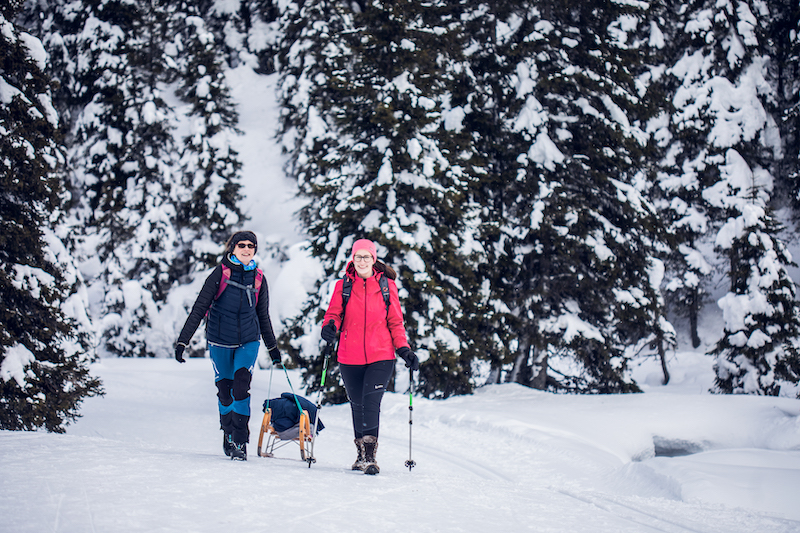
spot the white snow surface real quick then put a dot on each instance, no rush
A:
(148, 457)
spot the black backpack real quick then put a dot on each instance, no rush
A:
(347, 288)
(383, 281)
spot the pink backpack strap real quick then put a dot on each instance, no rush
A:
(259, 279)
(226, 275)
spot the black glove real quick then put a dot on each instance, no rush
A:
(179, 349)
(329, 332)
(275, 355)
(411, 359)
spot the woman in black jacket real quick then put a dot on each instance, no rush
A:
(235, 298)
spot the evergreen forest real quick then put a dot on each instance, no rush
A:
(559, 184)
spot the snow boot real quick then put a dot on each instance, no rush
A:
(226, 425)
(238, 451)
(240, 427)
(359, 464)
(240, 436)
(227, 443)
(370, 449)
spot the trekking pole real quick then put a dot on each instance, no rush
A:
(269, 390)
(327, 353)
(300, 409)
(291, 388)
(267, 452)
(410, 463)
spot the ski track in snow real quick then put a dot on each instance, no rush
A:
(630, 513)
(148, 457)
(464, 463)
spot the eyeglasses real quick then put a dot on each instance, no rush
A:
(364, 258)
(243, 245)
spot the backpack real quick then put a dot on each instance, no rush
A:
(249, 289)
(347, 288)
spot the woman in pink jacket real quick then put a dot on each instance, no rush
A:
(371, 332)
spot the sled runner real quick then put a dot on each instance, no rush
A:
(288, 419)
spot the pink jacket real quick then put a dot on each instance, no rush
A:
(369, 334)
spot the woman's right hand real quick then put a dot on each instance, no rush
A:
(411, 359)
(179, 349)
(329, 332)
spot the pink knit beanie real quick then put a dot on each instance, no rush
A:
(365, 244)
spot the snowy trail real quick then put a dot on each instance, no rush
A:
(147, 457)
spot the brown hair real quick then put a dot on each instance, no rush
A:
(380, 266)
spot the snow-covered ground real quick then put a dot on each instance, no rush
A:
(148, 457)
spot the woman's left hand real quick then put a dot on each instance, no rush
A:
(275, 355)
(411, 359)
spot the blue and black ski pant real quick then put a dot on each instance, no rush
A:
(365, 385)
(233, 371)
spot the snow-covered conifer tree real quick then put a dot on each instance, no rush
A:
(152, 173)
(490, 37)
(723, 82)
(206, 188)
(759, 352)
(792, 87)
(724, 147)
(123, 156)
(306, 29)
(45, 336)
(208, 161)
(376, 142)
(681, 176)
(783, 43)
(246, 31)
(577, 242)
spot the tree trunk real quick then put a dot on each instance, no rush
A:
(693, 312)
(539, 379)
(494, 375)
(521, 371)
(663, 356)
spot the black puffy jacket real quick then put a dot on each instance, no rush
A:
(235, 318)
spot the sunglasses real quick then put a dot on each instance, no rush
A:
(243, 245)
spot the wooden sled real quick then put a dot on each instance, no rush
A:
(269, 439)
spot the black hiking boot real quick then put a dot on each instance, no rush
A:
(227, 443)
(238, 451)
(226, 425)
(370, 449)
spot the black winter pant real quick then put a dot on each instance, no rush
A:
(365, 385)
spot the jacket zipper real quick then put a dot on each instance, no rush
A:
(239, 318)
(366, 360)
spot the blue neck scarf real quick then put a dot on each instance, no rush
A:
(235, 260)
